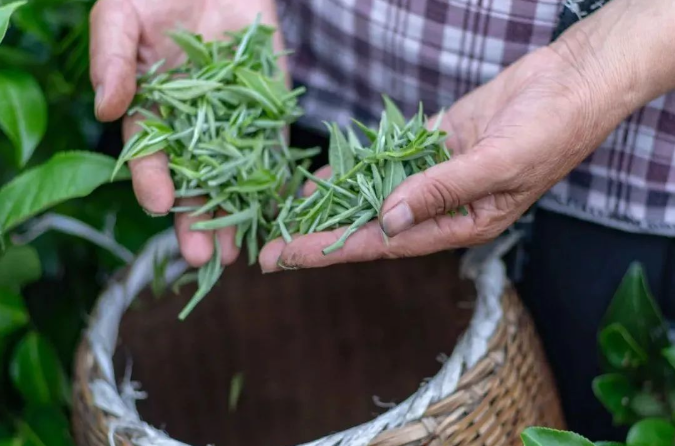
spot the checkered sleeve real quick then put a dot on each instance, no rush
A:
(348, 52)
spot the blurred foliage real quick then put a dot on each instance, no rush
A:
(638, 388)
(47, 287)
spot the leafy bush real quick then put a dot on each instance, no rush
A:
(638, 388)
(46, 112)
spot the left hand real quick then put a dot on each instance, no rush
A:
(513, 138)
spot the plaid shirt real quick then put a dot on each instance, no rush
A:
(349, 51)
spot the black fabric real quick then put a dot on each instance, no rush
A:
(572, 272)
(575, 10)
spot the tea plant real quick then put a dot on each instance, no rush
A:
(45, 49)
(639, 386)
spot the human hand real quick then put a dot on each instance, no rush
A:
(513, 138)
(129, 36)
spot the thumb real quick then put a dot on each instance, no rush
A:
(114, 36)
(445, 187)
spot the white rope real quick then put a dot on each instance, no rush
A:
(481, 265)
(72, 226)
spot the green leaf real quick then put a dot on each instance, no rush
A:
(620, 349)
(634, 308)
(647, 405)
(193, 46)
(23, 113)
(6, 12)
(370, 133)
(8, 437)
(340, 155)
(37, 373)
(539, 436)
(608, 443)
(45, 426)
(236, 386)
(615, 392)
(12, 441)
(394, 174)
(13, 313)
(207, 277)
(66, 175)
(394, 114)
(19, 266)
(651, 432)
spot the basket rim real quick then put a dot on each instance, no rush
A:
(115, 405)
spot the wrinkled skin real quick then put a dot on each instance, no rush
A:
(499, 133)
(513, 137)
(128, 37)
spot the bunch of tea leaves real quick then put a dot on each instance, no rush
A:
(220, 117)
(363, 176)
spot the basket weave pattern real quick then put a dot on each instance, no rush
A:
(510, 389)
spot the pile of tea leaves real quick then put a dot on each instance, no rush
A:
(221, 118)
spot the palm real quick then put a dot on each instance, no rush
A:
(513, 119)
(129, 36)
(514, 137)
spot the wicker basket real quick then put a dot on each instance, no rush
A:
(495, 383)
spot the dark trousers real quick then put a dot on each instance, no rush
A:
(571, 272)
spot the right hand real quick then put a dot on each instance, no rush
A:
(128, 37)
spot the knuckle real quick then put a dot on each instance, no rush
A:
(439, 196)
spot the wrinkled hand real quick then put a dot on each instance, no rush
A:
(513, 139)
(129, 36)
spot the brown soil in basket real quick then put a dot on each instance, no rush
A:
(314, 348)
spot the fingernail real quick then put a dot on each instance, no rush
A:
(285, 267)
(98, 100)
(397, 219)
(154, 214)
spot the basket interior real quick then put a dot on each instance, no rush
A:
(314, 347)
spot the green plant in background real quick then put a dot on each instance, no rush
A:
(45, 114)
(638, 388)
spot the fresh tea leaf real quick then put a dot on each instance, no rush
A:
(651, 432)
(65, 176)
(615, 392)
(193, 46)
(634, 308)
(539, 436)
(340, 155)
(620, 349)
(37, 373)
(393, 113)
(23, 113)
(207, 278)
(236, 386)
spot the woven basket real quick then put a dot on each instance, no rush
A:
(494, 384)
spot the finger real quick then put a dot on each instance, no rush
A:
(368, 244)
(196, 247)
(151, 178)
(114, 36)
(443, 188)
(226, 238)
(310, 186)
